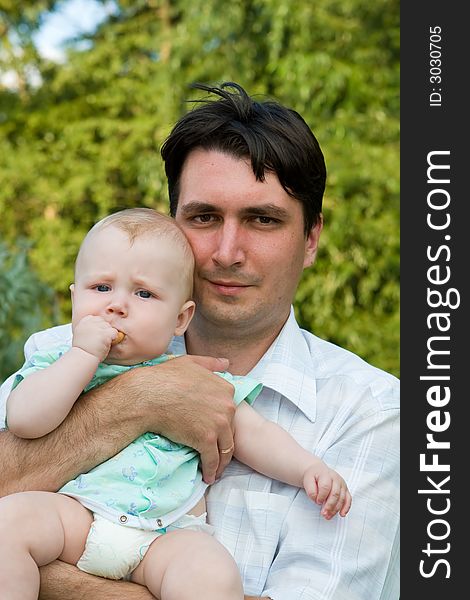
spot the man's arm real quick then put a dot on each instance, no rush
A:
(59, 577)
(90, 434)
(60, 580)
(179, 399)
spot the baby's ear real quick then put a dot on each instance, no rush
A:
(72, 289)
(184, 317)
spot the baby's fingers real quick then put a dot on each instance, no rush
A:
(330, 505)
(343, 511)
(326, 485)
(311, 488)
(339, 504)
(342, 505)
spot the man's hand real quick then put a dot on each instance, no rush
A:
(186, 402)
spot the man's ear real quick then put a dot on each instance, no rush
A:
(311, 242)
(184, 317)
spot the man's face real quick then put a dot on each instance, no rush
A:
(248, 240)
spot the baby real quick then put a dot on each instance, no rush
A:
(140, 514)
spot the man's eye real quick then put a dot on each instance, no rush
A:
(144, 294)
(203, 218)
(264, 220)
(102, 287)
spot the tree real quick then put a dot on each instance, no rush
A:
(87, 141)
(26, 305)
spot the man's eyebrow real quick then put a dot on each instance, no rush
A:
(267, 210)
(262, 210)
(192, 208)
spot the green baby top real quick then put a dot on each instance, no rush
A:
(153, 481)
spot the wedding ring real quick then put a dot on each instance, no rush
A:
(227, 450)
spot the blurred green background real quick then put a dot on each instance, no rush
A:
(81, 138)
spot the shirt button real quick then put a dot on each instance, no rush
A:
(159, 522)
(123, 519)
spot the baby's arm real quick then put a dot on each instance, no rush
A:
(43, 399)
(270, 450)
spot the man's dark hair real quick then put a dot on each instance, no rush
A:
(274, 137)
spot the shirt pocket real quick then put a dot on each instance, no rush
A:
(248, 524)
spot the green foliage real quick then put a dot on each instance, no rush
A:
(26, 305)
(87, 141)
(18, 21)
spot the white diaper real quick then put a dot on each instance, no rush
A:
(114, 551)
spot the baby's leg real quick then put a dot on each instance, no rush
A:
(183, 565)
(35, 529)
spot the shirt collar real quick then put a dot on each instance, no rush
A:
(286, 367)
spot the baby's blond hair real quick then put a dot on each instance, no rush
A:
(137, 222)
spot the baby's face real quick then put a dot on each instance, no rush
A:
(136, 287)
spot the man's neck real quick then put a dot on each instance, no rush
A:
(242, 351)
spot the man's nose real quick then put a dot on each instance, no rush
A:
(229, 250)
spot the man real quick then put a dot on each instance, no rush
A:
(246, 182)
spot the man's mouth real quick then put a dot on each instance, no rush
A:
(228, 288)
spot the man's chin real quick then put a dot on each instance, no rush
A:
(229, 313)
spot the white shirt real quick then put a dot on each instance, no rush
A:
(347, 413)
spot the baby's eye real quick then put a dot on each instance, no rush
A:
(144, 294)
(102, 287)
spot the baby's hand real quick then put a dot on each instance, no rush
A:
(94, 335)
(327, 487)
